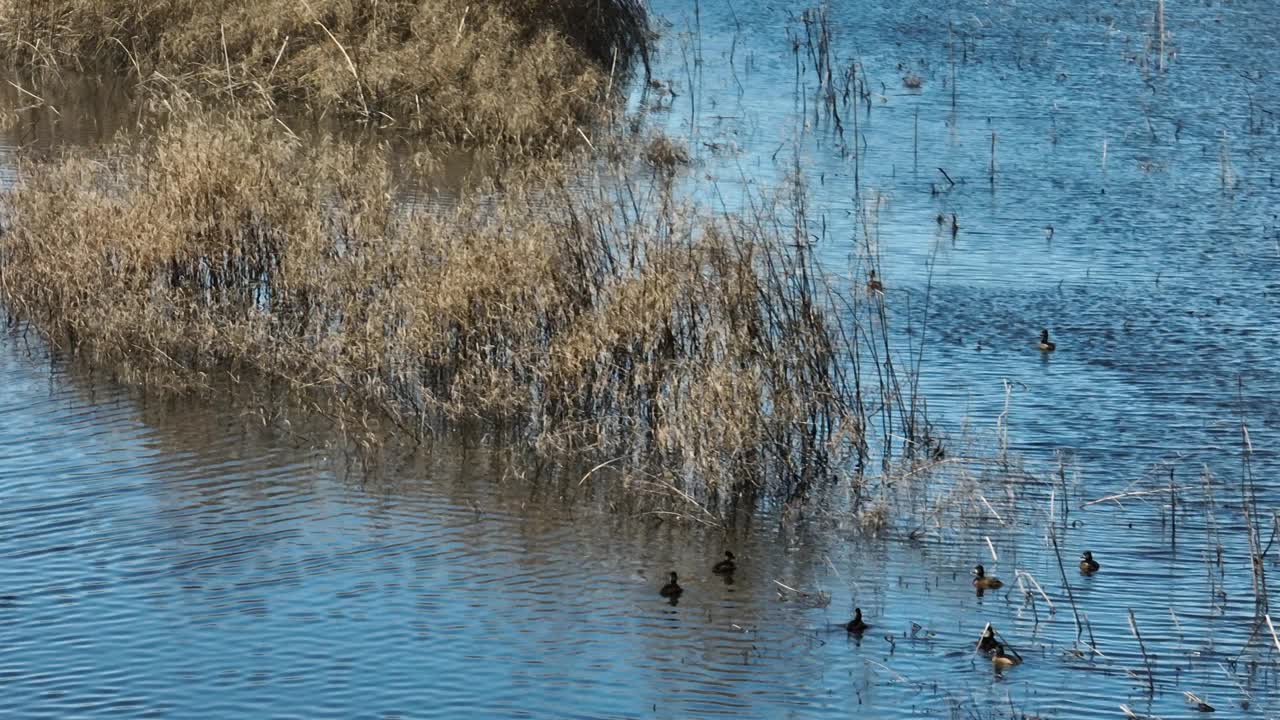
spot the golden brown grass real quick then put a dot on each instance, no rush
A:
(522, 72)
(695, 353)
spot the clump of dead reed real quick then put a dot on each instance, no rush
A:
(664, 155)
(522, 72)
(581, 317)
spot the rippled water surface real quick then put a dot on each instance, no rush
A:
(189, 560)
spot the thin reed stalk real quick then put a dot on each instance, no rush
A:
(1249, 502)
(1151, 677)
(1071, 598)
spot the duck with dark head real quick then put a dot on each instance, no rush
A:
(1088, 565)
(982, 581)
(873, 283)
(725, 566)
(671, 590)
(857, 625)
(1046, 345)
(988, 643)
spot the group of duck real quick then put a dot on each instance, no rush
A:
(1002, 656)
(725, 568)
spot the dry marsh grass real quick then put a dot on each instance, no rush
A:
(584, 317)
(519, 72)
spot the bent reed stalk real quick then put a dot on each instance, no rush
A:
(594, 318)
(520, 73)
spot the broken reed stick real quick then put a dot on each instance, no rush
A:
(25, 91)
(1272, 628)
(993, 157)
(951, 49)
(1043, 594)
(915, 138)
(1080, 627)
(1160, 33)
(1008, 645)
(1028, 596)
(1249, 499)
(1136, 493)
(1231, 678)
(1198, 701)
(1151, 677)
(1089, 626)
(1062, 473)
(226, 59)
(898, 676)
(279, 55)
(993, 510)
(985, 628)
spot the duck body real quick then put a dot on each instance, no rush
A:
(672, 589)
(1001, 660)
(725, 566)
(1088, 565)
(856, 626)
(873, 283)
(982, 581)
(1046, 345)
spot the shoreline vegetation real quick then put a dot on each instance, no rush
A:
(572, 304)
(522, 74)
(644, 333)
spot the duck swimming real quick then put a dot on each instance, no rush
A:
(671, 589)
(983, 582)
(856, 625)
(874, 284)
(1001, 660)
(725, 566)
(988, 642)
(1045, 344)
(1088, 565)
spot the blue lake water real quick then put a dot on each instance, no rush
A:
(187, 559)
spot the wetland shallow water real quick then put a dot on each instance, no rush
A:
(181, 560)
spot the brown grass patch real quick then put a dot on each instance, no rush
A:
(520, 72)
(694, 353)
